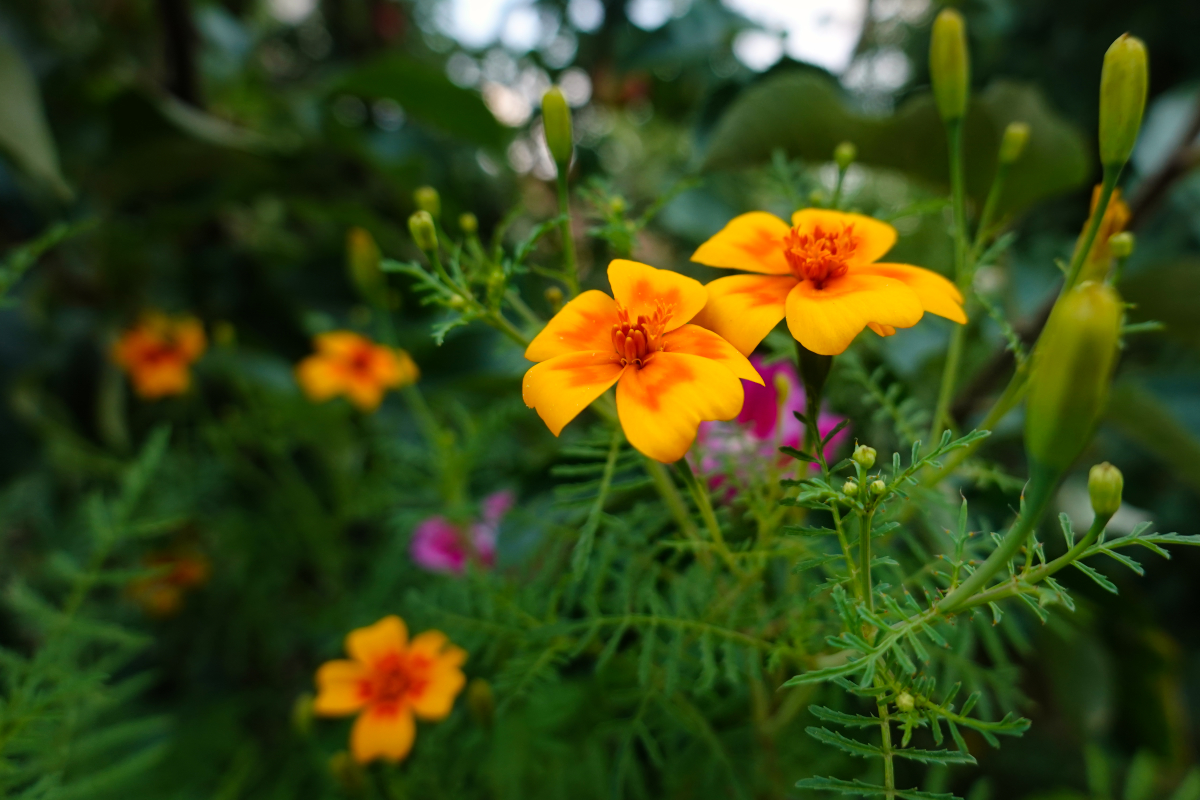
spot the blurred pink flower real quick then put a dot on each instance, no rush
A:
(439, 545)
(763, 425)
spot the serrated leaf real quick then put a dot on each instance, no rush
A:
(1102, 581)
(844, 743)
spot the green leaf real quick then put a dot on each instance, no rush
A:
(844, 743)
(841, 718)
(935, 756)
(1104, 582)
(24, 133)
(861, 789)
(806, 116)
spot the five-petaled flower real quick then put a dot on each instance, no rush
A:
(819, 273)
(387, 680)
(352, 365)
(158, 352)
(670, 375)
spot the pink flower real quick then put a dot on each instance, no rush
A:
(439, 545)
(764, 423)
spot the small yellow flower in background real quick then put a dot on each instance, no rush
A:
(158, 352)
(352, 365)
(1116, 218)
(819, 273)
(670, 376)
(387, 680)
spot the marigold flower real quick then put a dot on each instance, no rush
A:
(670, 375)
(386, 681)
(821, 274)
(352, 365)
(161, 594)
(439, 545)
(157, 353)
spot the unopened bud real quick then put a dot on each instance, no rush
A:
(348, 773)
(949, 64)
(362, 261)
(1121, 244)
(1072, 369)
(302, 713)
(905, 702)
(1012, 145)
(783, 389)
(816, 197)
(554, 296)
(468, 223)
(481, 701)
(1105, 484)
(457, 301)
(850, 488)
(556, 121)
(1124, 81)
(420, 225)
(844, 154)
(878, 487)
(864, 456)
(427, 199)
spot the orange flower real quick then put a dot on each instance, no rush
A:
(353, 365)
(821, 274)
(1116, 217)
(672, 376)
(389, 679)
(158, 353)
(161, 594)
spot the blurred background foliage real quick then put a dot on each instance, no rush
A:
(209, 156)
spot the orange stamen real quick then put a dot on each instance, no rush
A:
(819, 256)
(636, 342)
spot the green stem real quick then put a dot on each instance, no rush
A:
(1111, 173)
(570, 274)
(672, 499)
(864, 557)
(704, 503)
(889, 769)
(941, 412)
(836, 200)
(989, 210)
(497, 321)
(845, 544)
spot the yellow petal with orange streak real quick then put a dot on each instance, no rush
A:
(753, 242)
(882, 330)
(696, 341)
(321, 377)
(368, 645)
(584, 324)
(937, 294)
(565, 385)
(873, 237)
(383, 731)
(662, 404)
(826, 320)
(642, 289)
(342, 344)
(743, 309)
(443, 680)
(341, 688)
(189, 338)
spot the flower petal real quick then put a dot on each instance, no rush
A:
(320, 377)
(882, 330)
(445, 678)
(342, 688)
(704, 343)
(641, 289)
(386, 637)
(826, 320)
(743, 309)
(661, 405)
(565, 385)
(937, 294)
(385, 730)
(874, 237)
(585, 323)
(753, 242)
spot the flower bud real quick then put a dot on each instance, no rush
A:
(1012, 145)
(481, 701)
(949, 64)
(1072, 369)
(844, 154)
(850, 488)
(302, 713)
(1123, 84)
(1121, 244)
(362, 261)
(556, 122)
(420, 225)
(878, 487)
(427, 199)
(468, 223)
(554, 296)
(864, 456)
(905, 702)
(1105, 483)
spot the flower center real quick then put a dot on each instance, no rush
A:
(821, 255)
(637, 341)
(393, 680)
(360, 361)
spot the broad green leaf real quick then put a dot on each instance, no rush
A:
(24, 133)
(806, 116)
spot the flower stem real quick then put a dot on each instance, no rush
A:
(889, 769)
(704, 503)
(864, 559)
(672, 499)
(941, 412)
(570, 273)
(1111, 174)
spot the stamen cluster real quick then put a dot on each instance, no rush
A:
(821, 255)
(635, 342)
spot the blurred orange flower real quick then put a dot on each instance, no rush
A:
(387, 680)
(670, 376)
(1116, 218)
(157, 353)
(161, 594)
(352, 365)
(819, 273)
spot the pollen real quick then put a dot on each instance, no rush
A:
(635, 342)
(821, 255)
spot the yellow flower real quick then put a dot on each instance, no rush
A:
(386, 681)
(352, 365)
(670, 375)
(820, 273)
(157, 353)
(1116, 218)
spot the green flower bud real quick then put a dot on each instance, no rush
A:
(556, 121)
(427, 199)
(481, 701)
(302, 713)
(1072, 369)
(362, 262)
(905, 702)
(878, 487)
(816, 197)
(864, 456)
(1124, 81)
(554, 296)
(844, 154)
(1105, 483)
(468, 223)
(420, 225)
(1016, 136)
(850, 488)
(949, 64)
(1121, 244)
